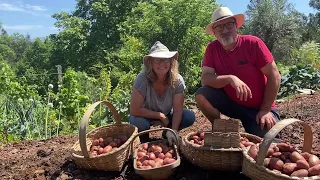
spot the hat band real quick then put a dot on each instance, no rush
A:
(222, 17)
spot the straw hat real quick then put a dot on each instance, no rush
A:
(222, 13)
(159, 50)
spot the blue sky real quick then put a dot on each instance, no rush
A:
(33, 17)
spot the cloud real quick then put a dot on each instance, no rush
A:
(35, 8)
(22, 27)
(22, 8)
(9, 7)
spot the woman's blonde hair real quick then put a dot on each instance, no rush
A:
(172, 75)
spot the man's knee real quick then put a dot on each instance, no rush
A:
(188, 118)
(140, 122)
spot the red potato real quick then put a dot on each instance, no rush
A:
(152, 156)
(302, 164)
(253, 152)
(100, 151)
(283, 147)
(100, 140)
(145, 146)
(276, 163)
(113, 144)
(314, 170)
(95, 142)
(300, 173)
(277, 154)
(141, 154)
(270, 152)
(107, 149)
(108, 139)
(93, 154)
(123, 138)
(289, 168)
(306, 155)
(202, 135)
(295, 156)
(313, 160)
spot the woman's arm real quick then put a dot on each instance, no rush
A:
(136, 108)
(178, 100)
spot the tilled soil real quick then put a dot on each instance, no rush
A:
(51, 159)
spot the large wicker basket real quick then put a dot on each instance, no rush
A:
(221, 149)
(255, 169)
(158, 173)
(112, 161)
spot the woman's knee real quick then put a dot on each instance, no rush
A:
(140, 122)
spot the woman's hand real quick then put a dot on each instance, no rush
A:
(164, 119)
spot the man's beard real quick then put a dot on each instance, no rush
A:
(227, 40)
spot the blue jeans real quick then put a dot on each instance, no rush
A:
(142, 123)
(221, 101)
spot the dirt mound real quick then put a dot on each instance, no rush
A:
(51, 159)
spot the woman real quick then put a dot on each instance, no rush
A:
(158, 93)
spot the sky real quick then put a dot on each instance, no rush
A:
(33, 17)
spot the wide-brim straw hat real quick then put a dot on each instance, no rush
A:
(222, 13)
(159, 50)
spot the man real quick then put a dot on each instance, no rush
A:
(239, 76)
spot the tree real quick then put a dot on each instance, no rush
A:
(276, 22)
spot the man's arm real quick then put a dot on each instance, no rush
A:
(272, 87)
(210, 78)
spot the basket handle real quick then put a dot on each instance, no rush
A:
(152, 130)
(307, 142)
(85, 120)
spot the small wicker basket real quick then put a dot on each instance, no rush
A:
(221, 150)
(112, 161)
(158, 173)
(255, 169)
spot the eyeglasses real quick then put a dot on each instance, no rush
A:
(220, 27)
(158, 60)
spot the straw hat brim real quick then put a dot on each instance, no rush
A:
(239, 19)
(169, 54)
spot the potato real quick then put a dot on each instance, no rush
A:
(95, 142)
(277, 154)
(313, 160)
(93, 154)
(168, 161)
(152, 156)
(123, 138)
(314, 170)
(195, 137)
(276, 149)
(266, 162)
(138, 163)
(289, 168)
(253, 152)
(107, 149)
(295, 156)
(113, 144)
(283, 147)
(161, 156)
(100, 140)
(287, 161)
(202, 135)
(285, 155)
(276, 163)
(300, 173)
(306, 155)
(145, 146)
(100, 151)
(152, 163)
(246, 144)
(302, 164)
(168, 155)
(141, 154)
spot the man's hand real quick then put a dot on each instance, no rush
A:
(164, 119)
(242, 90)
(171, 137)
(265, 117)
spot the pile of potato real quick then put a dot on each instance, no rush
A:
(198, 138)
(106, 145)
(245, 142)
(283, 158)
(154, 155)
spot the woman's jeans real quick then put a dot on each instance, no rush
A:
(188, 118)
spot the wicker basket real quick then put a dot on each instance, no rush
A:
(112, 161)
(255, 169)
(221, 150)
(158, 173)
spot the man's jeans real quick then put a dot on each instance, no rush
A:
(220, 100)
(142, 123)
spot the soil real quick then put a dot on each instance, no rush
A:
(51, 159)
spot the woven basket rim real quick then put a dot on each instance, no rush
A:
(124, 145)
(264, 169)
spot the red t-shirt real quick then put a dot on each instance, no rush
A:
(245, 62)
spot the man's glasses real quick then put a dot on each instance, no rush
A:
(158, 60)
(220, 27)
